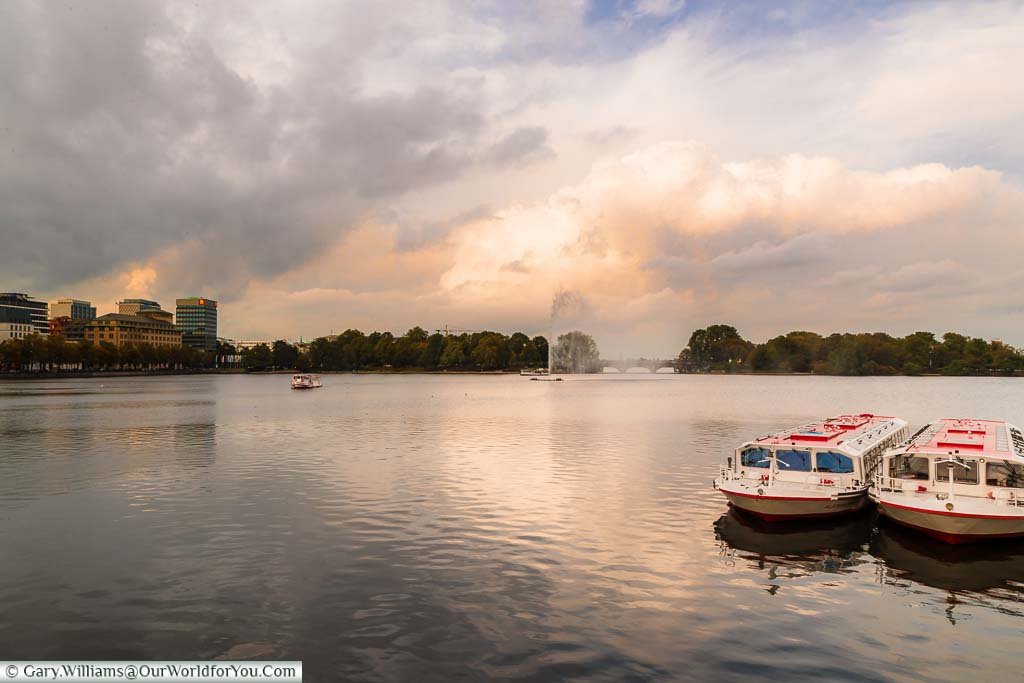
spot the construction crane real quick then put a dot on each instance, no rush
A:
(451, 330)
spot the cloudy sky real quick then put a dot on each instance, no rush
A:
(665, 164)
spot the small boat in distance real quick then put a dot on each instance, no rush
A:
(305, 381)
(534, 372)
(821, 469)
(957, 480)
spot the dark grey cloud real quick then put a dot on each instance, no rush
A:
(523, 145)
(517, 266)
(613, 136)
(800, 251)
(126, 130)
(417, 235)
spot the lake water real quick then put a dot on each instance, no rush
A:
(474, 527)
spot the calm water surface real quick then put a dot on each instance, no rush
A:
(468, 528)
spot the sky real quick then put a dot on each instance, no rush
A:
(662, 165)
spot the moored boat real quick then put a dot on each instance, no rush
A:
(534, 372)
(817, 470)
(306, 381)
(957, 480)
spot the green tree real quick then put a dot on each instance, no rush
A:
(107, 355)
(430, 357)
(258, 357)
(453, 356)
(87, 354)
(717, 346)
(491, 352)
(284, 355)
(541, 345)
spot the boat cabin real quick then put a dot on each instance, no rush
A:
(967, 457)
(845, 445)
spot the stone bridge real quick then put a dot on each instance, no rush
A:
(639, 365)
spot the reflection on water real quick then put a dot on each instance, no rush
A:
(439, 528)
(812, 546)
(989, 575)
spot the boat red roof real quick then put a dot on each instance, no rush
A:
(842, 429)
(968, 436)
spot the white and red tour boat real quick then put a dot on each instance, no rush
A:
(821, 469)
(957, 480)
(305, 381)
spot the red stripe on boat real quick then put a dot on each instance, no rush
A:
(947, 513)
(754, 495)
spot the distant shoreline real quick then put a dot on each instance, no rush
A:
(96, 374)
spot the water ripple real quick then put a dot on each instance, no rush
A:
(446, 528)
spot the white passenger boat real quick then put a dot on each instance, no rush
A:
(534, 372)
(957, 480)
(821, 469)
(305, 381)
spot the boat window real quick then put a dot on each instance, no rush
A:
(793, 461)
(966, 473)
(830, 461)
(756, 457)
(909, 467)
(1002, 473)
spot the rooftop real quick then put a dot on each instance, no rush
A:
(122, 317)
(854, 432)
(968, 436)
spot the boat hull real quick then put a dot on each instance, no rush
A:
(954, 527)
(778, 507)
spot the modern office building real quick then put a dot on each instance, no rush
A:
(120, 329)
(38, 311)
(136, 306)
(196, 317)
(73, 309)
(15, 324)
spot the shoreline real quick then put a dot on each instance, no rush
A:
(98, 374)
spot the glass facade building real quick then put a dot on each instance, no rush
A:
(73, 309)
(38, 311)
(196, 317)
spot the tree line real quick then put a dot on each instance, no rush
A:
(414, 350)
(720, 348)
(51, 353)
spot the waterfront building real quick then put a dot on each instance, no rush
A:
(74, 309)
(251, 344)
(15, 324)
(59, 325)
(120, 329)
(136, 306)
(38, 311)
(196, 317)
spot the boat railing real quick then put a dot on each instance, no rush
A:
(726, 473)
(819, 481)
(890, 484)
